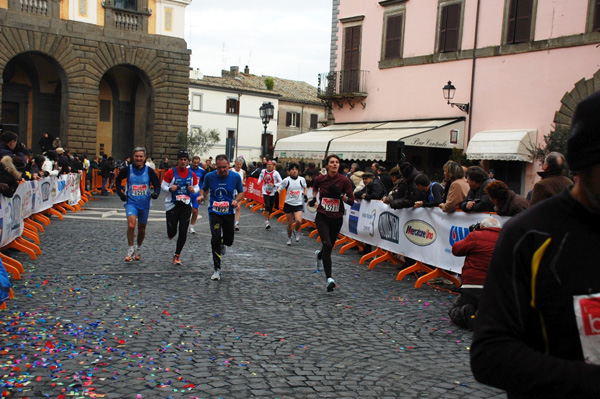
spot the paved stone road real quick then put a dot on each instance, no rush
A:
(86, 324)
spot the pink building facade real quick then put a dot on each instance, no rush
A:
(533, 62)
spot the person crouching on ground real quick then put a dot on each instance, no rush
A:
(477, 247)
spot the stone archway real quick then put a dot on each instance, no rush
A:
(583, 89)
(33, 97)
(124, 111)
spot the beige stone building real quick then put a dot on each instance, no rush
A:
(102, 75)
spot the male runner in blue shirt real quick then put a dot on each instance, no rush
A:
(137, 198)
(221, 185)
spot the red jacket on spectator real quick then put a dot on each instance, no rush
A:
(478, 248)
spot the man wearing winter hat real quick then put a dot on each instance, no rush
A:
(537, 331)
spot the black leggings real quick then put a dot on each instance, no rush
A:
(221, 230)
(328, 228)
(269, 202)
(179, 215)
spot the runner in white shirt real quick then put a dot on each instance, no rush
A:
(237, 168)
(296, 191)
(271, 180)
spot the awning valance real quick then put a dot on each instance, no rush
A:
(368, 141)
(314, 144)
(503, 145)
(371, 144)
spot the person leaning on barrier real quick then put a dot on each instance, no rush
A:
(373, 188)
(553, 178)
(506, 201)
(477, 199)
(456, 187)
(536, 334)
(9, 176)
(398, 185)
(412, 193)
(477, 248)
(433, 191)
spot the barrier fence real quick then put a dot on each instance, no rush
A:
(24, 215)
(423, 234)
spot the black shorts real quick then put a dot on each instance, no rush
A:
(287, 208)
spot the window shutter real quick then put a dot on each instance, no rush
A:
(452, 27)
(519, 21)
(314, 120)
(393, 37)
(227, 106)
(442, 37)
(288, 118)
(596, 25)
(237, 107)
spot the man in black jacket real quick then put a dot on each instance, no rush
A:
(373, 190)
(477, 199)
(537, 332)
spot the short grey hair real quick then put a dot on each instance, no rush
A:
(491, 222)
(138, 149)
(239, 159)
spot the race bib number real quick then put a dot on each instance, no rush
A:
(139, 189)
(295, 194)
(183, 198)
(221, 207)
(331, 204)
(269, 188)
(587, 314)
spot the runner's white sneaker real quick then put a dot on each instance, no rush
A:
(216, 275)
(137, 254)
(236, 227)
(289, 241)
(130, 252)
(267, 225)
(191, 229)
(330, 284)
(296, 235)
(319, 262)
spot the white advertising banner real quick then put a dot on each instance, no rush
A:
(33, 197)
(424, 234)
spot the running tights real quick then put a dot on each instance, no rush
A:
(328, 228)
(179, 216)
(221, 230)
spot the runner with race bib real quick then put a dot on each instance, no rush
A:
(180, 183)
(333, 189)
(270, 179)
(295, 195)
(225, 191)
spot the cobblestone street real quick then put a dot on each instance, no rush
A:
(84, 323)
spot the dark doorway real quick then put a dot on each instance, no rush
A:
(32, 98)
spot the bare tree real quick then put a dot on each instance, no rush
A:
(198, 141)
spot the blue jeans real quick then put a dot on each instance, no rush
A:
(104, 184)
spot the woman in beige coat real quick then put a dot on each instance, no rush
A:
(456, 186)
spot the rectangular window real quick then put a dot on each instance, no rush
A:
(350, 74)
(233, 106)
(196, 102)
(596, 24)
(520, 14)
(449, 28)
(292, 119)
(104, 111)
(314, 121)
(393, 36)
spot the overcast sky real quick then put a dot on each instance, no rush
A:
(284, 38)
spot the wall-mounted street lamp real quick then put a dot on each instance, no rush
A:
(266, 114)
(448, 91)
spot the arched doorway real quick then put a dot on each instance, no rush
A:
(125, 119)
(33, 91)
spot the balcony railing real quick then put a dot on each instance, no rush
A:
(123, 19)
(38, 7)
(341, 84)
